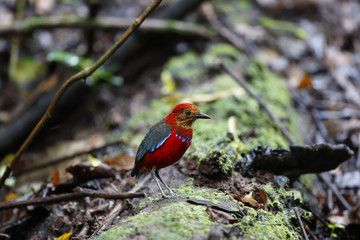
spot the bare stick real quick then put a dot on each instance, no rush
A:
(301, 223)
(310, 232)
(260, 101)
(80, 194)
(241, 44)
(52, 163)
(325, 177)
(80, 75)
(118, 208)
(156, 25)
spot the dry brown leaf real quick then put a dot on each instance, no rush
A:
(220, 216)
(86, 171)
(10, 196)
(56, 178)
(306, 81)
(65, 236)
(262, 196)
(248, 199)
(122, 162)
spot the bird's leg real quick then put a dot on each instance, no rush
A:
(167, 187)
(153, 174)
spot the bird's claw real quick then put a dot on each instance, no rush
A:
(170, 196)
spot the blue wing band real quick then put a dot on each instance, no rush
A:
(154, 139)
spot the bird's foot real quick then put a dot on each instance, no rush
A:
(171, 195)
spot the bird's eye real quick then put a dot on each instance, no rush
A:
(187, 112)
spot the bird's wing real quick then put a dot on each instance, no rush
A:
(156, 137)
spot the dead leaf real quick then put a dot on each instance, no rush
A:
(248, 199)
(262, 196)
(86, 171)
(56, 178)
(65, 236)
(354, 215)
(220, 216)
(232, 128)
(121, 162)
(306, 81)
(346, 217)
(10, 196)
(94, 161)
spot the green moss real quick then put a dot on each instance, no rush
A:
(283, 26)
(223, 160)
(181, 220)
(268, 226)
(176, 221)
(204, 194)
(223, 51)
(186, 67)
(308, 180)
(276, 224)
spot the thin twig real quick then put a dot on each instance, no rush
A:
(80, 194)
(55, 162)
(104, 23)
(320, 124)
(260, 101)
(118, 208)
(238, 42)
(310, 232)
(325, 177)
(80, 75)
(301, 223)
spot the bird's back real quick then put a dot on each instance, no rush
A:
(162, 146)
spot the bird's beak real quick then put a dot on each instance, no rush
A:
(202, 115)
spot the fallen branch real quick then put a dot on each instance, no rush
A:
(262, 104)
(300, 159)
(301, 223)
(80, 75)
(80, 194)
(63, 159)
(326, 178)
(118, 208)
(105, 23)
(238, 42)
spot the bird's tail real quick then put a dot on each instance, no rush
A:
(134, 172)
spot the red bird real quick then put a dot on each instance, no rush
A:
(166, 142)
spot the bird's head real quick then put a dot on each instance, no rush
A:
(185, 114)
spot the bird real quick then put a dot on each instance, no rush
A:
(166, 142)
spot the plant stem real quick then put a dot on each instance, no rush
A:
(80, 75)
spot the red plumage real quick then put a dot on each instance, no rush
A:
(167, 154)
(167, 141)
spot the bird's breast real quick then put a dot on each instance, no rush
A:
(168, 153)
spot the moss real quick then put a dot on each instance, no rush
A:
(179, 220)
(223, 160)
(186, 67)
(204, 194)
(176, 221)
(268, 226)
(276, 224)
(284, 26)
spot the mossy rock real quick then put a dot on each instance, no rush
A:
(177, 219)
(213, 145)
